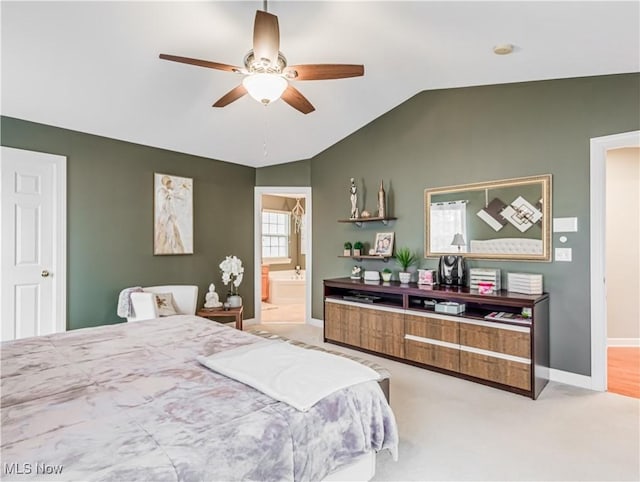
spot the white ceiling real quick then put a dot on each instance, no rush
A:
(94, 67)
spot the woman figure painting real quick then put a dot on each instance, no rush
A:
(173, 205)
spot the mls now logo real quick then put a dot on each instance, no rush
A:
(28, 468)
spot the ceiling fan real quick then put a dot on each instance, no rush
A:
(267, 76)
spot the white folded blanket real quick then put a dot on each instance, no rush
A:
(288, 373)
(125, 307)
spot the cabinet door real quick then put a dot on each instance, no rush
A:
(516, 342)
(422, 351)
(342, 323)
(431, 327)
(265, 282)
(507, 372)
(382, 331)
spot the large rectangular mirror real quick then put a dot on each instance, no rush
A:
(508, 219)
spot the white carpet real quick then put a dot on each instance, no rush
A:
(452, 429)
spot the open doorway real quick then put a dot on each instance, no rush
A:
(607, 328)
(283, 254)
(622, 271)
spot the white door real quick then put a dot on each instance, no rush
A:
(32, 246)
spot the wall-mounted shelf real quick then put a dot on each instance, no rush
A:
(360, 221)
(368, 256)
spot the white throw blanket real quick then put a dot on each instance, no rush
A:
(125, 307)
(288, 373)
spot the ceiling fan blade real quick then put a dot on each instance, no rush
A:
(323, 71)
(201, 63)
(295, 99)
(266, 37)
(231, 96)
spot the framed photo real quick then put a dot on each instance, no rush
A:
(172, 214)
(384, 244)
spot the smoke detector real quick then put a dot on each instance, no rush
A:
(503, 49)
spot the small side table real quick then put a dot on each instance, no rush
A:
(216, 313)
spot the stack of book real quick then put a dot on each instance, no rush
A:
(527, 283)
(508, 317)
(479, 275)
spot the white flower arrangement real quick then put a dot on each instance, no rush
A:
(232, 272)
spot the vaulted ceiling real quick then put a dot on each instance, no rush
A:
(93, 66)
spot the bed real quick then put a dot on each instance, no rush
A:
(130, 402)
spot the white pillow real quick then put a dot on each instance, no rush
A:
(164, 304)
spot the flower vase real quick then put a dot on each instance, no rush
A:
(234, 301)
(404, 277)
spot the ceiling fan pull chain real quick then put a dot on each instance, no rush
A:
(264, 138)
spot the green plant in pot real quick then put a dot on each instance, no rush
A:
(357, 248)
(386, 274)
(347, 249)
(405, 258)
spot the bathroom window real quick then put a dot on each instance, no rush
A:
(276, 227)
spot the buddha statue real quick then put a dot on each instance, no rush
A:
(212, 300)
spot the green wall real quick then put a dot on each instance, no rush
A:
(455, 136)
(289, 174)
(437, 138)
(110, 218)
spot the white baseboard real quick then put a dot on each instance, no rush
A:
(623, 341)
(316, 322)
(569, 378)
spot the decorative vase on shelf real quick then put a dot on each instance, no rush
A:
(382, 202)
(386, 276)
(235, 301)
(404, 277)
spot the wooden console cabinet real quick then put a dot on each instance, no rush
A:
(392, 320)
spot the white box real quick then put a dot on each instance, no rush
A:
(371, 276)
(450, 307)
(527, 283)
(477, 275)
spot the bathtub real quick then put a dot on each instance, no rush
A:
(287, 287)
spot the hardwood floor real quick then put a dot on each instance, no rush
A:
(623, 370)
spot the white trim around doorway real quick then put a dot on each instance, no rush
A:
(599, 148)
(259, 191)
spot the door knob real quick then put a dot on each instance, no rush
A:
(44, 273)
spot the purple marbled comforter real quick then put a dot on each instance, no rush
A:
(130, 402)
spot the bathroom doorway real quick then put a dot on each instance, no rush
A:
(603, 334)
(283, 254)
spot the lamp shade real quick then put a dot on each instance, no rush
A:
(265, 88)
(458, 240)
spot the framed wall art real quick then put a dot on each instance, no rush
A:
(384, 244)
(173, 214)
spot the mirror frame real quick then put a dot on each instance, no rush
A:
(545, 184)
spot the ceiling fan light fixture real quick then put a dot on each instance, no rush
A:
(265, 88)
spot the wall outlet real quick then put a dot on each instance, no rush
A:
(563, 254)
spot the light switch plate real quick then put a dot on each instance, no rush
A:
(565, 225)
(563, 254)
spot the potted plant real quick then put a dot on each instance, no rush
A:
(386, 274)
(405, 258)
(357, 248)
(347, 249)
